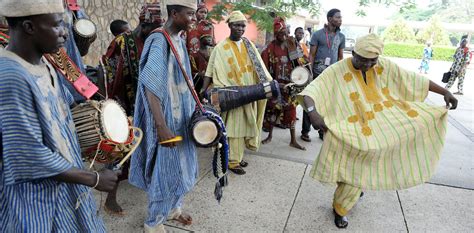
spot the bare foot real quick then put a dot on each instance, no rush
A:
(184, 218)
(112, 207)
(267, 140)
(297, 146)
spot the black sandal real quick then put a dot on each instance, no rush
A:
(340, 221)
(243, 163)
(238, 170)
(305, 138)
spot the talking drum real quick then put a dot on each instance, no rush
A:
(205, 130)
(85, 32)
(300, 76)
(103, 130)
(227, 98)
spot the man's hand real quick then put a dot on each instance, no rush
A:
(317, 121)
(451, 101)
(107, 180)
(165, 134)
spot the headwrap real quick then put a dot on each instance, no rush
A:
(201, 6)
(151, 13)
(15, 8)
(206, 31)
(278, 25)
(369, 46)
(236, 16)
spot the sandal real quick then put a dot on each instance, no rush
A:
(243, 163)
(305, 138)
(238, 170)
(340, 221)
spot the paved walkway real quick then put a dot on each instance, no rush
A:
(277, 195)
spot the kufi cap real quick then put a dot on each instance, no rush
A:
(369, 46)
(278, 25)
(187, 3)
(22, 8)
(236, 16)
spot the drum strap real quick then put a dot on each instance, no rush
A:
(181, 67)
(68, 69)
(255, 61)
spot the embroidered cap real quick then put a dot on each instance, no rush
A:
(369, 46)
(236, 16)
(15, 8)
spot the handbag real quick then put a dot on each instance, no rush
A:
(446, 77)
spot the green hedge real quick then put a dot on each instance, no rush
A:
(416, 51)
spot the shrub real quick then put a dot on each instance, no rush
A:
(415, 51)
(399, 31)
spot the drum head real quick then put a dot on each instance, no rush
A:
(205, 132)
(300, 76)
(85, 27)
(114, 121)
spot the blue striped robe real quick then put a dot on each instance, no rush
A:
(39, 141)
(161, 171)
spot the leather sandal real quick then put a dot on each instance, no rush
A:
(305, 138)
(243, 163)
(340, 221)
(238, 170)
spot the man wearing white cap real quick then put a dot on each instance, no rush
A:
(163, 165)
(380, 135)
(232, 63)
(42, 182)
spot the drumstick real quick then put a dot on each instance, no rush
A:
(139, 140)
(175, 139)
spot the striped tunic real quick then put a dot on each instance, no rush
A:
(230, 65)
(162, 171)
(382, 135)
(39, 141)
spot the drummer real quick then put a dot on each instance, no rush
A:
(277, 60)
(42, 174)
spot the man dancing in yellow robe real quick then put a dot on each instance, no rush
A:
(380, 135)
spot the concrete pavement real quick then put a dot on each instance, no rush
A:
(277, 195)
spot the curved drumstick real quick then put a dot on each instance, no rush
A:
(139, 140)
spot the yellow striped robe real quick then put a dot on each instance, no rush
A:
(382, 136)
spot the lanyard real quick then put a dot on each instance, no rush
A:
(327, 40)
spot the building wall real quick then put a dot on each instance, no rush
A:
(222, 31)
(102, 12)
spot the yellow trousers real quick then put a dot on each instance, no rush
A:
(345, 197)
(236, 150)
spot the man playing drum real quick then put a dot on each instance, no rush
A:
(122, 62)
(231, 64)
(163, 110)
(43, 184)
(277, 60)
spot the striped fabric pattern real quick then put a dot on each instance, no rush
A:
(230, 65)
(161, 171)
(38, 141)
(382, 136)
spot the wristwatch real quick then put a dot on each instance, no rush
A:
(310, 109)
